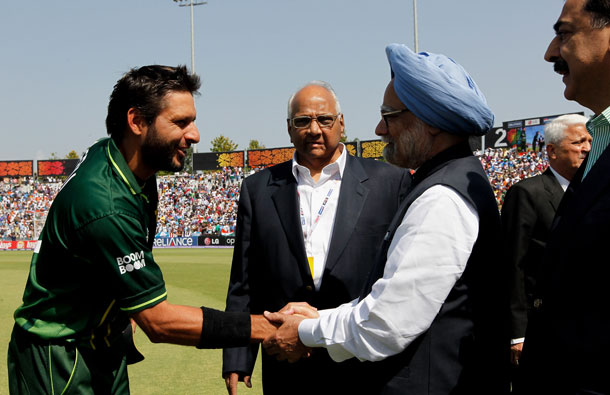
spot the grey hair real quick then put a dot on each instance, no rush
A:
(324, 85)
(554, 131)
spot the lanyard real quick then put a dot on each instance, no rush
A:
(307, 234)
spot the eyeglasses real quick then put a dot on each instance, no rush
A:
(389, 114)
(325, 121)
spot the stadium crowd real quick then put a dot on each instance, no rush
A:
(507, 167)
(21, 202)
(192, 205)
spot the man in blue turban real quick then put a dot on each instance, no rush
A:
(433, 309)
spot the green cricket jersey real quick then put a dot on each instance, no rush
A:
(93, 265)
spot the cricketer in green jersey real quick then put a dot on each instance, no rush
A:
(93, 270)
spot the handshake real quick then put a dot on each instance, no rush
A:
(283, 339)
(279, 333)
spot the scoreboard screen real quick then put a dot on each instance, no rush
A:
(16, 168)
(56, 167)
(523, 134)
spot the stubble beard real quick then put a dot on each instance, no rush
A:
(160, 155)
(411, 149)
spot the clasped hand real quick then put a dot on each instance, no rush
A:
(285, 343)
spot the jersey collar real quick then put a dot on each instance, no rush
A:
(119, 166)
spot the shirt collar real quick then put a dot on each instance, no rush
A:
(337, 166)
(563, 182)
(120, 167)
(599, 120)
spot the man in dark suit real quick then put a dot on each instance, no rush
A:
(308, 230)
(528, 211)
(567, 343)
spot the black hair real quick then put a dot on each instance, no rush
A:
(600, 12)
(144, 89)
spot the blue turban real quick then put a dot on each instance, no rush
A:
(439, 91)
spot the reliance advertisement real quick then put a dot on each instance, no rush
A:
(165, 242)
(195, 241)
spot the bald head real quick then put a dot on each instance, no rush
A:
(315, 126)
(316, 83)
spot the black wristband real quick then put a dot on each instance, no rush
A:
(224, 329)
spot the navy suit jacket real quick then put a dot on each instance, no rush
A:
(567, 344)
(270, 266)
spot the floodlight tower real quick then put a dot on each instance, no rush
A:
(414, 26)
(191, 4)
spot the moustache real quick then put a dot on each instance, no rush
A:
(560, 66)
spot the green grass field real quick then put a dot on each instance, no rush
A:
(195, 277)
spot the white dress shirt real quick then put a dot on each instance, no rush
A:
(318, 207)
(426, 257)
(564, 182)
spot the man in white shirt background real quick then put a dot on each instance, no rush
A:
(308, 230)
(432, 309)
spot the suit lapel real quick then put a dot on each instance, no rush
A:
(552, 188)
(582, 193)
(595, 183)
(287, 206)
(351, 200)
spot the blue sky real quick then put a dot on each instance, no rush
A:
(62, 58)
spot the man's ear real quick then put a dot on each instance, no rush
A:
(289, 129)
(433, 131)
(136, 122)
(550, 151)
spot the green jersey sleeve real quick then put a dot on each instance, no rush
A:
(119, 242)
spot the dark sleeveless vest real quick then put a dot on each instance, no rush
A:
(466, 348)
